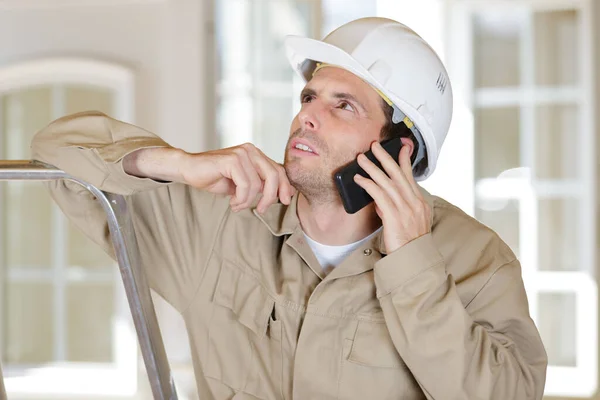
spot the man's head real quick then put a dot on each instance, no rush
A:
(341, 116)
(398, 69)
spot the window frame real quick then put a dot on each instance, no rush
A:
(76, 379)
(582, 379)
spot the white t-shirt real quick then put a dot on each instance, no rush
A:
(331, 256)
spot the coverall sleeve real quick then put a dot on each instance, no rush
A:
(175, 225)
(488, 349)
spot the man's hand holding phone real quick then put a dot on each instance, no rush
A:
(398, 200)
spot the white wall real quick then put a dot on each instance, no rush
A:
(162, 41)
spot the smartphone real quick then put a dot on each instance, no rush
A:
(353, 196)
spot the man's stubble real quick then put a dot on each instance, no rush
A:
(316, 183)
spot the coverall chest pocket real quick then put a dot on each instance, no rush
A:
(244, 344)
(372, 367)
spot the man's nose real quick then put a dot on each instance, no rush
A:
(309, 117)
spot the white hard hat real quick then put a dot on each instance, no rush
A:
(397, 62)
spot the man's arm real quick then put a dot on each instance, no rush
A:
(489, 349)
(242, 171)
(92, 146)
(176, 198)
(160, 164)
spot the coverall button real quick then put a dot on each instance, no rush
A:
(367, 252)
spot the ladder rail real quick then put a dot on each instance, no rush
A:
(126, 251)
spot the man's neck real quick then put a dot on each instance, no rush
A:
(329, 224)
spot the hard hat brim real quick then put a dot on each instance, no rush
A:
(300, 49)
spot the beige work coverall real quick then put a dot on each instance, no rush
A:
(443, 317)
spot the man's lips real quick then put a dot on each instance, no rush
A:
(301, 153)
(305, 143)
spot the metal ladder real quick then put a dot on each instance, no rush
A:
(126, 250)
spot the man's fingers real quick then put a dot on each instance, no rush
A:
(396, 172)
(259, 174)
(286, 190)
(241, 182)
(269, 171)
(406, 166)
(379, 177)
(250, 187)
(400, 172)
(382, 200)
(271, 183)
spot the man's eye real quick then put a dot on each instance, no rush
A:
(307, 98)
(346, 106)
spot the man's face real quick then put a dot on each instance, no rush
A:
(341, 116)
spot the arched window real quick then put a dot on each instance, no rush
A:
(65, 326)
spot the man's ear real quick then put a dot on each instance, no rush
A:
(408, 142)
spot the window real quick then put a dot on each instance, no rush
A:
(257, 90)
(65, 321)
(528, 86)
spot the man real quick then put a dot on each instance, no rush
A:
(284, 294)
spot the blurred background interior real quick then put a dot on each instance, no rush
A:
(521, 156)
